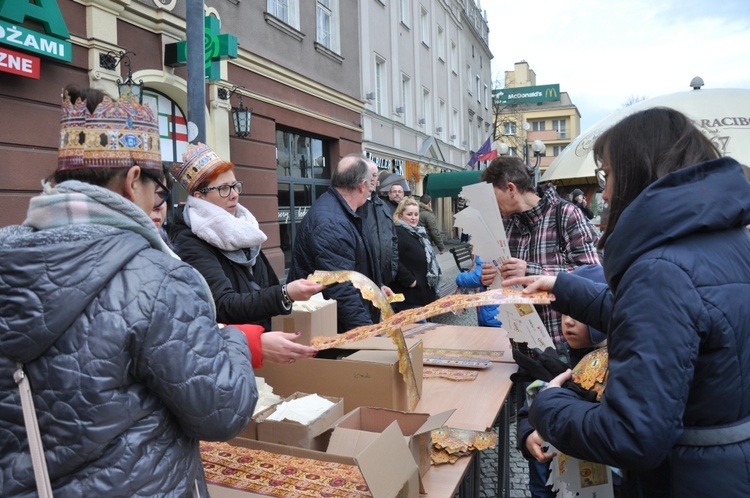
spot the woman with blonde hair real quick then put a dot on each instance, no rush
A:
(418, 273)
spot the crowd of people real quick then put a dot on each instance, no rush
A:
(138, 341)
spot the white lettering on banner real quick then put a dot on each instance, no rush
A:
(398, 166)
(524, 95)
(18, 63)
(52, 47)
(299, 213)
(15, 36)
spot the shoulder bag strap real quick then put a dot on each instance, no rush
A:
(561, 243)
(32, 429)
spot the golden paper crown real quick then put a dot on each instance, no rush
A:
(118, 134)
(197, 163)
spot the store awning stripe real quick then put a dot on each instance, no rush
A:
(450, 184)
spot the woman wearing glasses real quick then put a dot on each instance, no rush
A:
(222, 240)
(675, 416)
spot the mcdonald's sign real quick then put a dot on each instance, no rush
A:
(528, 94)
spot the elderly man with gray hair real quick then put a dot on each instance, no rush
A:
(332, 236)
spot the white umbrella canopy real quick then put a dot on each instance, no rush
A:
(723, 114)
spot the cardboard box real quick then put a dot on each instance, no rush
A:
(385, 463)
(364, 373)
(293, 433)
(313, 318)
(364, 424)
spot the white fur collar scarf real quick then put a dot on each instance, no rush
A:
(219, 228)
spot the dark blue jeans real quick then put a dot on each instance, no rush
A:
(538, 475)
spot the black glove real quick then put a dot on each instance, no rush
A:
(539, 365)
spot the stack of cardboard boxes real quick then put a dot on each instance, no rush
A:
(368, 424)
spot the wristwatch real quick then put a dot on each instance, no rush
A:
(285, 299)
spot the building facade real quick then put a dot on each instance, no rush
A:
(426, 80)
(525, 112)
(297, 68)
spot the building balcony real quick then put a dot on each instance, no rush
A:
(544, 136)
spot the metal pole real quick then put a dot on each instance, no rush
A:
(196, 69)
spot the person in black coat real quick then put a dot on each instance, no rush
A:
(580, 201)
(675, 416)
(418, 274)
(220, 238)
(379, 221)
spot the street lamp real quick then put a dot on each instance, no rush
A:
(127, 88)
(241, 116)
(538, 148)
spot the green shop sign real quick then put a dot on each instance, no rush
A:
(218, 47)
(14, 13)
(527, 94)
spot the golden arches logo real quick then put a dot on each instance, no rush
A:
(550, 92)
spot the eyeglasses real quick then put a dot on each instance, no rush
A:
(223, 190)
(162, 191)
(601, 177)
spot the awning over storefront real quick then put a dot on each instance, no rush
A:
(449, 184)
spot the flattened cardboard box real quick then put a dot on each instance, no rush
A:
(386, 465)
(365, 423)
(293, 433)
(320, 321)
(364, 373)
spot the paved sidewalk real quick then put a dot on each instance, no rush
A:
(519, 485)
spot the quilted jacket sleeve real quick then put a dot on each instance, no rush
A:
(334, 249)
(653, 346)
(201, 372)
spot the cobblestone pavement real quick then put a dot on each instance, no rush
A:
(519, 485)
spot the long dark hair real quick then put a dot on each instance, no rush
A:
(642, 148)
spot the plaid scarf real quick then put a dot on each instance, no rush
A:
(76, 203)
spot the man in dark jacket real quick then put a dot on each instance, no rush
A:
(332, 237)
(380, 228)
(428, 220)
(395, 195)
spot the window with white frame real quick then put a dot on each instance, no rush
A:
(427, 111)
(454, 126)
(285, 10)
(557, 149)
(560, 126)
(479, 88)
(486, 97)
(538, 125)
(406, 104)
(441, 43)
(380, 85)
(328, 25)
(468, 78)
(424, 25)
(441, 124)
(509, 128)
(404, 8)
(454, 58)
(513, 151)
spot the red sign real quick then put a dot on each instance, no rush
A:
(18, 63)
